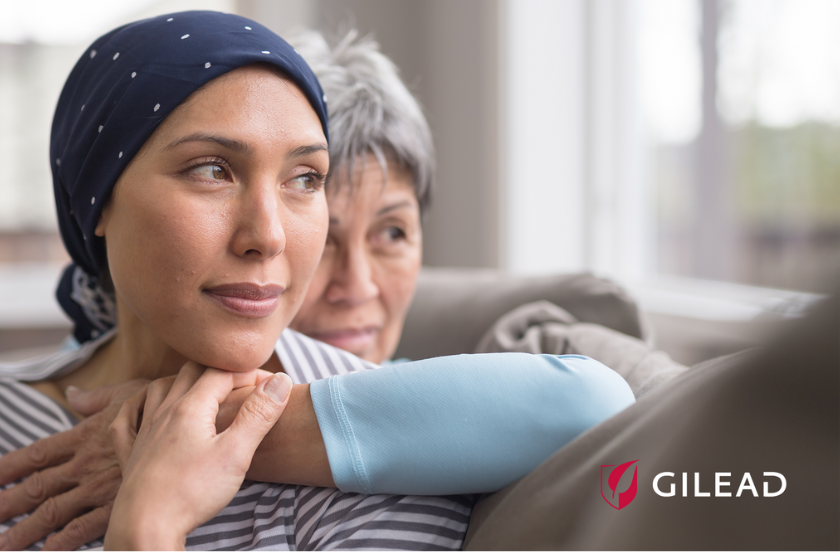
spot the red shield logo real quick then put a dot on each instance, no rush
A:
(612, 490)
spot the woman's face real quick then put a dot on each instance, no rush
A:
(217, 225)
(364, 283)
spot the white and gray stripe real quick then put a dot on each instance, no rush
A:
(262, 516)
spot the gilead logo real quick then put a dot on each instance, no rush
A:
(616, 489)
(664, 484)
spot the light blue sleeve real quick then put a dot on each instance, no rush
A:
(459, 424)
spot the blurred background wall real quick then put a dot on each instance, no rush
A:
(688, 148)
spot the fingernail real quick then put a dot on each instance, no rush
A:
(71, 391)
(278, 387)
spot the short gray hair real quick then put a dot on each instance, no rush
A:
(370, 109)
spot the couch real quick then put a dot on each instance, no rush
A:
(774, 409)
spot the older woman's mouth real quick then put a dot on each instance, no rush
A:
(246, 299)
(352, 340)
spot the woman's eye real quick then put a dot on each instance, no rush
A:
(303, 182)
(393, 233)
(210, 171)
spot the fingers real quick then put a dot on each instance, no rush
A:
(81, 530)
(125, 426)
(41, 454)
(156, 393)
(220, 383)
(186, 378)
(54, 512)
(87, 403)
(38, 487)
(259, 413)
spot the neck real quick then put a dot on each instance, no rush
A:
(134, 353)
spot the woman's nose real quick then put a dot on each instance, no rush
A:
(352, 281)
(260, 233)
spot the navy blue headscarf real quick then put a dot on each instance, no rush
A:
(121, 89)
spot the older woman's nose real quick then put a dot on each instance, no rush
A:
(352, 281)
(260, 233)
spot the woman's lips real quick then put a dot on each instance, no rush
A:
(352, 340)
(246, 299)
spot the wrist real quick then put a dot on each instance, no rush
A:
(131, 529)
(137, 538)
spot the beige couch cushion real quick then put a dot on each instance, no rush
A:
(454, 308)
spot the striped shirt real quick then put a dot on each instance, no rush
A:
(262, 515)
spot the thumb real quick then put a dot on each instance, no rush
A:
(259, 413)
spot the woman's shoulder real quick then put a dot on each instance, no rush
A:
(305, 359)
(51, 364)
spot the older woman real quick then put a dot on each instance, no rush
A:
(191, 190)
(382, 162)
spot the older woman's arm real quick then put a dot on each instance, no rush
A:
(293, 452)
(449, 425)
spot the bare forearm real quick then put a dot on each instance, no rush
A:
(293, 452)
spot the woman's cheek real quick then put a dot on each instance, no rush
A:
(405, 283)
(165, 254)
(317, 286)
(306, 234)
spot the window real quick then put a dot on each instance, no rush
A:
(741, 102)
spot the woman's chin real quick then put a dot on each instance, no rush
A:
(243, 358)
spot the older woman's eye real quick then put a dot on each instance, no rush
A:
(393, 233)
(210, 171)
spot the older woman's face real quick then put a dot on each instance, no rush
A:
(363, 287)
(217, 225)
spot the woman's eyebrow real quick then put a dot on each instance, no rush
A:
(229, 143)
(306, 150)
(393, 207)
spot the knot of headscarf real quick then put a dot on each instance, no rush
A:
(120, 90)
